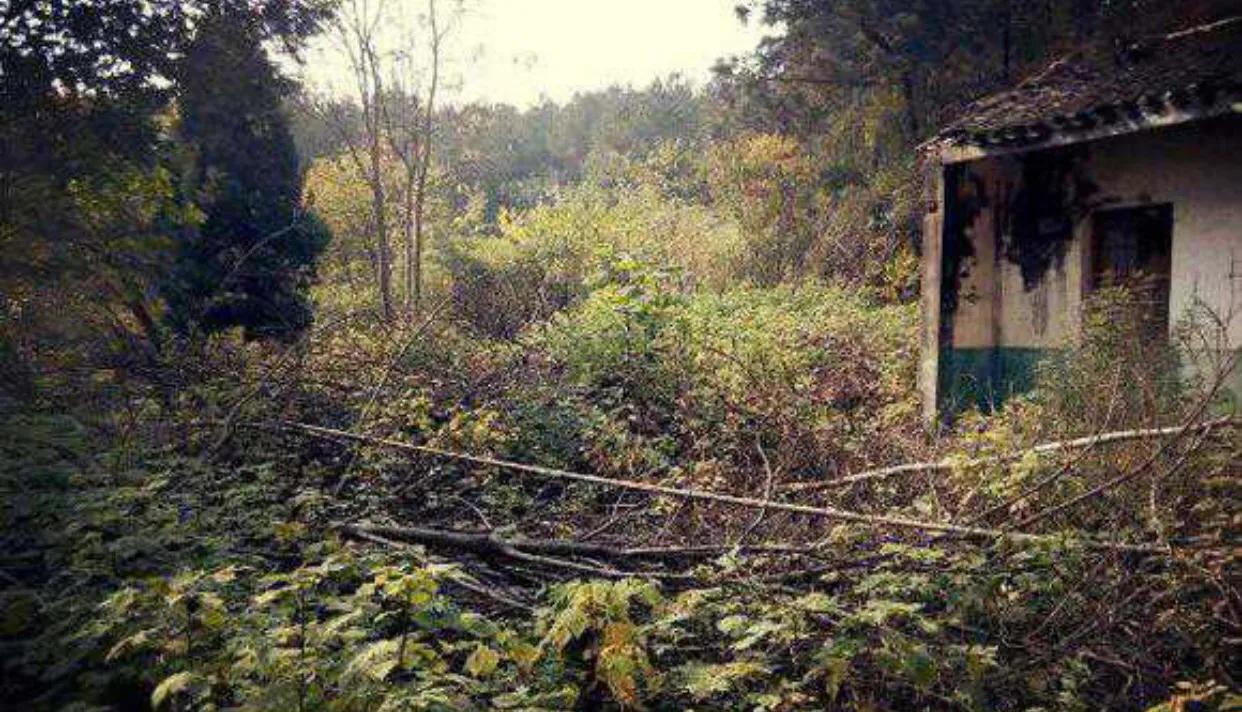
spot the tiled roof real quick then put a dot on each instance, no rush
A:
(1193, 72)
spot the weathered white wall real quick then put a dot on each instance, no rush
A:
(1196, 167)
(994, 306)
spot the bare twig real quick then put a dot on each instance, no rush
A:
(1175, 434)
(1044, 449)
(383, 381)
(767, 494)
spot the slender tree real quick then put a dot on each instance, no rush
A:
(357, 27)
(410, 128)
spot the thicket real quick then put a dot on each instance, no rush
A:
(215, 553)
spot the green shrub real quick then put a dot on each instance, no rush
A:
(821, 376)
(542, 260)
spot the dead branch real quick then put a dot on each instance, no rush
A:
(461, 579)
(889, 521)
(1119, 479)
(1044, 449)
(485, 543)
(767, 493)
(543, 553)
(1190, 426)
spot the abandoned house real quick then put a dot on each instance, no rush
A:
(1117, 166)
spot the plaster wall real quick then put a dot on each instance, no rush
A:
(995, 306)
(1195, 167)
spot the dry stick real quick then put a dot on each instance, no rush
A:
(461, 580)
(1044, 449)
(491, 544)
(1066, 468)
(1119, 479)
(1036, 488)
(703, 495)
(611, 521)
(1177, 465)
(660, 552)
(486, 542)
(294, 348)
(767, 494)
(1177, 434)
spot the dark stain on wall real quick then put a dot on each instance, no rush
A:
(1036, 208)
(965, 198)
(1053, 196)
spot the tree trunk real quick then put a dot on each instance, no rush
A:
(381, 230)
(425, 159)
(378, 207)
(409, 273)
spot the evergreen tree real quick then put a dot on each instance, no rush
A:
(251, 260)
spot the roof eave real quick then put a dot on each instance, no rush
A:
(951, 151)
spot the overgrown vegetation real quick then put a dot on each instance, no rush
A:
(633, 445)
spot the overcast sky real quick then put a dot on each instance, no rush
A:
(518, 51)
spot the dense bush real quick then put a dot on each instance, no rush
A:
(542, 260)
(814, 374)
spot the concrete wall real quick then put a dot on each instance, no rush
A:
(1197, 168)
(1001, 321)
(995, 308)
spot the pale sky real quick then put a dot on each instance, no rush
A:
(517, 51)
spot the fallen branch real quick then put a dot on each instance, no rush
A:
(1119, 479)
(1177, 433)
(486, 542)
(1044, 449)
(491, 545)
(702, 495)
(461, 579)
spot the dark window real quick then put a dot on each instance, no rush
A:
(1133, 248)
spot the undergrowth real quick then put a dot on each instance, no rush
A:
(187, 552)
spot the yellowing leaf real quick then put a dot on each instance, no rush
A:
(137, 641)
(376, 661)
(706, 681)
(524, 655)
(171, 686)
(225, 575)
(482, 662)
